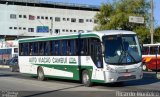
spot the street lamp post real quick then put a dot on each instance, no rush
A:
(152, 22)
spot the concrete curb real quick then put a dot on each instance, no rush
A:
(4, 66)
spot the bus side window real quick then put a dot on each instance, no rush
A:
(68, 47)
(56, 47)
(41, 48)
(77, 47)
(53, 48)
(31, 48)
(145, 50)
(59, 47)
(72, 47)
(36, 48)
(24, 49)
(47, 48)
(64, 47)
(21, 51)
(85, 46)
(153, 50)
(159, 50)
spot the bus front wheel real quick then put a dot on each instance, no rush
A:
(86, 79)
(40, 74)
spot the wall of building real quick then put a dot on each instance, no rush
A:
(38, 21)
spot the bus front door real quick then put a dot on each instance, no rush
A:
(96, 55)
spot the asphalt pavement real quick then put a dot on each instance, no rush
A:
(15, 84)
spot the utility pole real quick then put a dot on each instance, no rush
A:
(152, 22)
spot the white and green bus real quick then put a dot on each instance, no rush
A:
(100, 56)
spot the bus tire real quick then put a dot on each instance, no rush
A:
(86, 78)
(40, 74)
(144, 67)
(11, 69)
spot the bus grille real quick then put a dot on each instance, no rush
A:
(123, 78)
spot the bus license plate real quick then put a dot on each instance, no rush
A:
(126, 74)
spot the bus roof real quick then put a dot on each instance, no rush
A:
(157, 44)
(96, 34)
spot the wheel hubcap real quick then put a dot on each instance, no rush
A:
(40, 74)
(85, 78)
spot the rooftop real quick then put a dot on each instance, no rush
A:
(51, 4)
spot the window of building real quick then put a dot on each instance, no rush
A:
(38, 17)
(81, 20)
(51, 18)
(31, 17)
(66, 30)
(67, 19)
(70, 30)
(63, 30)
(73, 19)
(10, 27)
(87, 20)
(74, 30)
(20, 16)
(15, 28)
(42, 29)
(24, 28)
(64, 19)
(90, 20)
(20, 28)
(46, 18)
(24, 16)
(42, 17)
(57, 19)
(12, 16)
(80, 31)
(30, 29)
(57, 31)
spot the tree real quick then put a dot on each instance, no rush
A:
(157, 35)
(116, 16)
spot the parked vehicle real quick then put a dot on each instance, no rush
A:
(13, 64)
(149, 59)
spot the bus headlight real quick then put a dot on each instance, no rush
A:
(110, 69)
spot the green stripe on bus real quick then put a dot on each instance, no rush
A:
(59, 37)
(69, 68)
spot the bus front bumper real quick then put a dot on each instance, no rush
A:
(122, 76)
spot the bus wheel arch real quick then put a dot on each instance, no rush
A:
(86, 78)
(40, 73)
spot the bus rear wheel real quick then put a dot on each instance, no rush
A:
(86, 79)
(40, 74)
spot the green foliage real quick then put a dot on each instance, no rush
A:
(113, 16)
(157, 35)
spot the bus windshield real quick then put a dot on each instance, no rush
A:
(121, 49)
